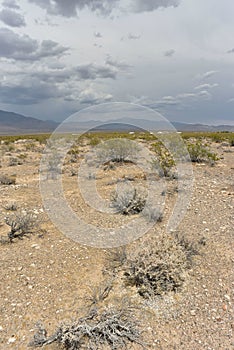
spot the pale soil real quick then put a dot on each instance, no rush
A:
(48, 277)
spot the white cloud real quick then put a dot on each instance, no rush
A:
(206, 86)
(90, 96)
(208, 74)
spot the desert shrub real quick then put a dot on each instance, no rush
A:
(231, 141)
(13, 161)
(116, 258)
(117, 150)
(100, 293)
(11, 206)
(110, 328)
(7, 180)
(129, 201)
(22, 156)
(164, 161)
(157, 269)
(20, 225)
(152, 214)
(94, 141)
(201, 153)
(190, 248)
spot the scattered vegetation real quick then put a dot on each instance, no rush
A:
(109, 328)
(13, 161)
(42, 138)
(128, 202)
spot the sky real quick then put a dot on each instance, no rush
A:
(174, 56)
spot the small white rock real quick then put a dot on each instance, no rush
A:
(11, 340)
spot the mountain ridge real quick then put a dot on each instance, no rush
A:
(12, 123)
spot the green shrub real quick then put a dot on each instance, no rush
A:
(201, 153)
(117, 150)
(164, 161)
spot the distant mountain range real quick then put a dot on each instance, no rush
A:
(16, 124)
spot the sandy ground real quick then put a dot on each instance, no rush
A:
(47, 277)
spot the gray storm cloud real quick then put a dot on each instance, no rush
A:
(105, 7)
(24, 48)
(12, 18)
(10, 4)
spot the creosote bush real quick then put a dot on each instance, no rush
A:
(117, 150)
(164, 161)
(201, 153)
(109, 328)
(128, 202)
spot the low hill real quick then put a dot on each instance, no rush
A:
(14, 123)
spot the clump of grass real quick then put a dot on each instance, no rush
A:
(100, 293)
(128, 202)
(110, 328)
